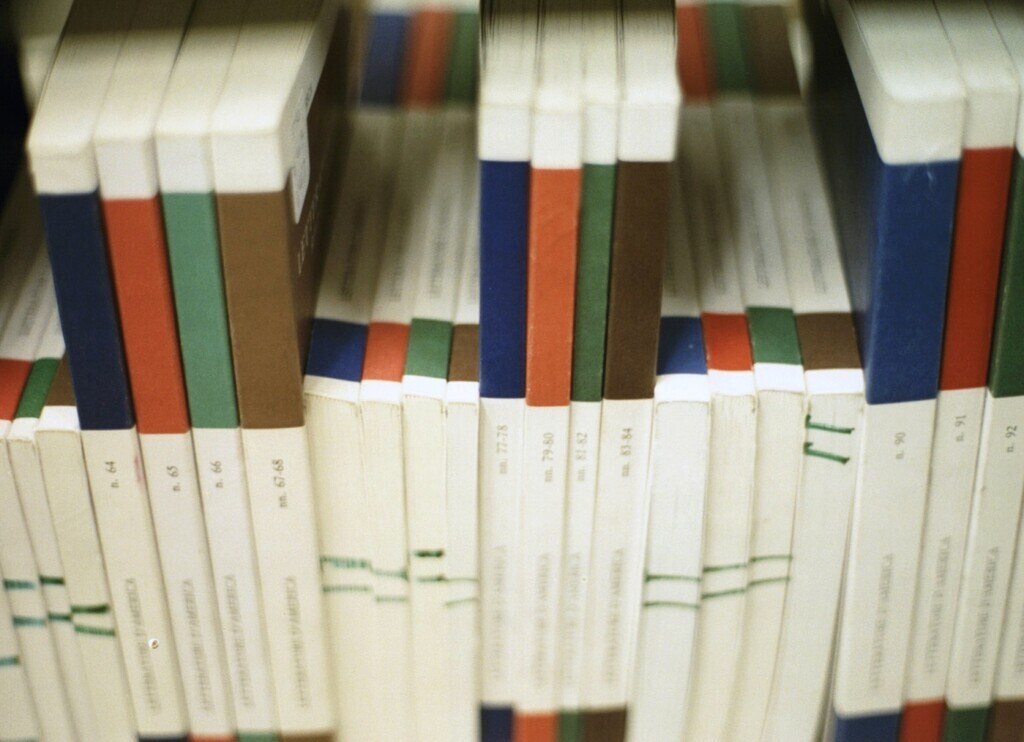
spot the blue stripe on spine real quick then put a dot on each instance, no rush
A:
(385, 52)
(88, 310)
(681, 346)
(495, 724)
(336, 350)
(874, 727)
(896, 226)
(504, 215)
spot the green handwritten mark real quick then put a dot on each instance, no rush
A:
(670, 604)
(811, 425)
(809, 450)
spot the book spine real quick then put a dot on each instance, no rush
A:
(194, 259)
(898, 281)
(18, 718)
(504, 195)
(383, 59)
(959, 427)
(638, 247)
(28, 478)
(59, 443)
(695, 64)
(1005, 382)
(426, 58)
(268, 329)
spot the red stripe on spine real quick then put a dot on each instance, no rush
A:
(551, 285)
(922, 722)
(727, 341)
(386, 346)
(693, 55)
(13, 375)
(426, 62)
(138, 257)
(536, 728)
(974, 271)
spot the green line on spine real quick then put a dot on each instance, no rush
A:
(772, 558)
(811, 425)
(767, 581)
(391, 599)
(725, 567)
(95, 609)
(346, 588)
(23, 621)
(429, 554)
(459, 601)
(93, 630)
(19, 585)
(723, 593)
(10, 661)
(670, 604)
(48, 580)
(399, 574)
(59, 616)
(809, 450)
(345, 562)
(681, 578)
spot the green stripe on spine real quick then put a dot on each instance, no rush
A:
(460, 86)
(37, 387)
(725, 21)
(194, 252)
(29, 621)
(592, 274)
(257, 737)
(570, 726)
(430, 345)
(52, 580)
(965, 725)
(19, 584)
(773, 335)
(10, 661)
(1006, 374)
(93, 630)
(345, 562)
(95, 609)
(62, 617)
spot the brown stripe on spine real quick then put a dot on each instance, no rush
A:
(827, 341)
(634, 297)
(464, 364)
(604, 726)
(771, 60)
(324, 737)
(272, 268)
(62, 393)
(1006, 722)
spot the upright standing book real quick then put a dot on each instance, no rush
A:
(779, 380)
(648, 118)
(58, 438)
(272, 134)
(129, 193)
(554, 213)
(1006, 716)
(185, 179)
(35, 509)
(895, 159)
(63, 166)
(593, 261)
(331, 391)
(508, 43)
(835, 397)
(18, 717)
(380, 399)
(678, 484)
(462, 431)
(27, 586)
(730, 477)
(424, 447)
(960, 563)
